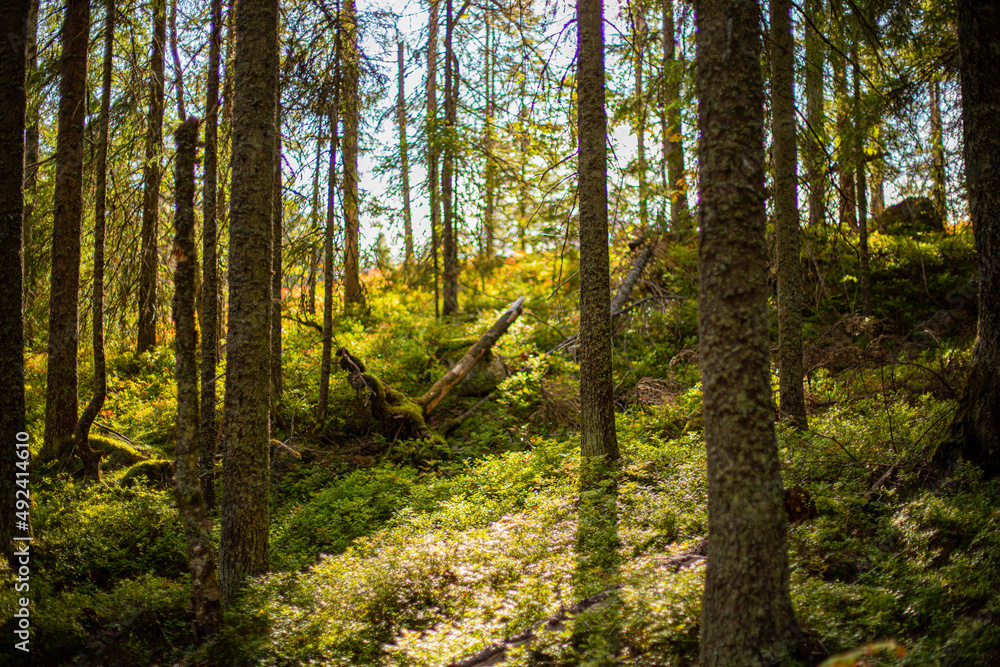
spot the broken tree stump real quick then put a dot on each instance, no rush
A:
(450, 380)
(398, 416)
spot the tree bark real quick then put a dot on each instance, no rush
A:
(786, 211)
(432, 142)
(489, 220)
(175, 54)
(13, 107)
(277, 228)
(353, 296)
(815, 159)
(975, 431)
(81, 435)
(151, 185)
(208, 432)
(845, 132)
(458, 372)
(244, 542)
(670, 121)
(190, 501)
(939, 178)
(639, 53)
(404, 158)
(32, 247)
(60, 390)
(448, 231)
(597, 417)
(747, 616)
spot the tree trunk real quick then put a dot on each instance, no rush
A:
(315, 247)
(639, 52)
(31, 257)
(404, 158)
(278, 210)
(747, 616)
(175, 54)
(210, 280)
(449, 232)
(815, 159)
(786, 211)
(151, 185)
(458, 372)
(352, 108)
(597, 417)
(244, 542)
(878, 187)
(489, 220)
(190, 501)
(81, 435)
(60, 390)
(975, 431)
(432, 142)
(670, 122)
(324, 369)
(939, 178)
(845, 131)
(13, 68)
(861, 130)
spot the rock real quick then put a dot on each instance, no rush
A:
(912, 216)
(484, 376)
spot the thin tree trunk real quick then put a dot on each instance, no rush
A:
(974, 434)
(845, 132)
(404, 158)
(861, 130)
(353, 295)
(878, 187)
(597, 417)
(81, 435)
(316, 248)
(639, 53)
(747, 616)
(60, 390)
(432, 143)
(815, 158)
(670, 125)
(324, 370)
(522, 181)
(208, 432)
(277, 229)
(786, 211)
(151, 185)
(449, 232)
(190, 501)
(489, 220)
(13, 67)
(939, 177)
(244, 541)
(175, 54)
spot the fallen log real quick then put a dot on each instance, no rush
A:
(450, 380)
(398, 416)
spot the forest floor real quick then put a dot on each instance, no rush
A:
(388, 553)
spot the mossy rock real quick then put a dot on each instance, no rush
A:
(115, 453)
(912, 216)
(158, 473)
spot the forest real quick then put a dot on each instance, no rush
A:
(454, 333)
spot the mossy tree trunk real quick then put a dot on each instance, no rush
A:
(244, 542)
(786, 211)
(13, 67)
(149, 259)
(975, 431)
(747, 616)
(939, 179)
(351, 68)
(60, 388)
(210, 287)
(81, 435)
(432, 143)
(597, 417)
(187, 485)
